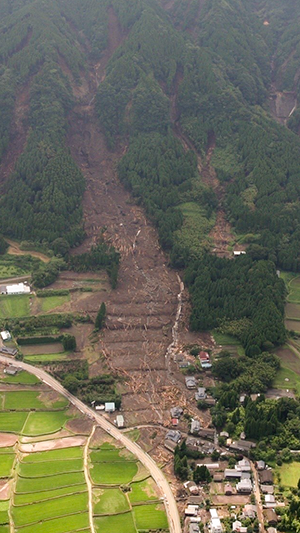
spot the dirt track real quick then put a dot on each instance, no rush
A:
(142, 310)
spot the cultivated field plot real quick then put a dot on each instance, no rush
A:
(41, 349)
(43, 423)
(290, 474)
(6, 464)
(51, 302)
(116, 509)
(292, 325)
(50, 482)
(14, 306)
(288, 377)
(22, 378)
(75, 522)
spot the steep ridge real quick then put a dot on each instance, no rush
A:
(142, 310)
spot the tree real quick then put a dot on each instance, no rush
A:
(69, 342)
(100, 318)
(201, 475)
(71, 383)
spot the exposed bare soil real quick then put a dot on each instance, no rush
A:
(7, 439)
(14, 249)
(47, 445)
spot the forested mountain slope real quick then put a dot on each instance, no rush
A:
(184, 102)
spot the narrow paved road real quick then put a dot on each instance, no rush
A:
(143, 457)
(259, 505)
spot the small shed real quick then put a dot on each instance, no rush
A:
(265, 477)
(270, 517)
(11, 370)
(228, 489)
(110, 407)
(5, 335)
(120, 421)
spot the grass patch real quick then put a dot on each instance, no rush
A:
(133, 434)
(50, 482)
(120, 523)
(44, 423)
(4, 518)
(290, 474)
(14, 306)
(12, 422)
(224, 339)
(6, 463)
(150, 517)
(143, 491)
(109, 456)
(113, 473)
(50, 468)
(111, 501)
(33, 497)
(4, 529)
(22, 378)
(46, 358)
(286, 373)
(36, 512)
(195, 228)
(60, 525)
(51, 302)
(54, 455)
(21, 400)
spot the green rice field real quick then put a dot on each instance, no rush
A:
(36, 512)
(111, 501)
(44, 423)
(69, 523)
(6, 464)
(113, 473)
(22, 400)
(150, 517)
(75, 452)
(31, 497)
(143, 491)
(12, 422)
(121, 523)
(50, 468)
(50, 482)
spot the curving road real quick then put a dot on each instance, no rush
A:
(143, 457)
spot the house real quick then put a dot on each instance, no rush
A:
(17, 288)
(195, 427)
(205, 364)
(236, 253)
(270, 517)
(210, 401)
(242, 446)
(11, 370)
(2, 289)
(232, 473)
(243, 465)
(260, 465)
(120, 421)
(249, 511)
(237, 526)
(170, 445)
(267, 489)
(200, 394)
(210, 466)
(5, 335)
(109, 407)
(207, 433)
(215, 523)
(173, 435)
(191, 510)
(244, 486)
(194, 528)
(191, 487)
(265, 477)
(203, 356)
(176, 412)
(8, 351)
(218, 477)
(228, 489)
(190, 382)
(270, 500)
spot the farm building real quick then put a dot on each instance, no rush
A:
(170, 445)
(237, 526)
(244, 486)
(191, 510)
(120, 421)
(176, 412)
(109, 407)
(8, 351)
(200, 394)
(218, 477)
(249, 511)
(11, 370)
(173, 435)
(228, 490)
(192, 487)
(190, 382)
(260, 465)
(17, 288)
(194, 528)
(215, 523)
(195, 426)
(267, 489)
(232, 473)
(243, 465)
(5, 335)
(265, 477)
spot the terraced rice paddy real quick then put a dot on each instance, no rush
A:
(49, 487)
(123, 501)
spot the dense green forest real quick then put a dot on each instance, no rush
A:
(189, 76)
